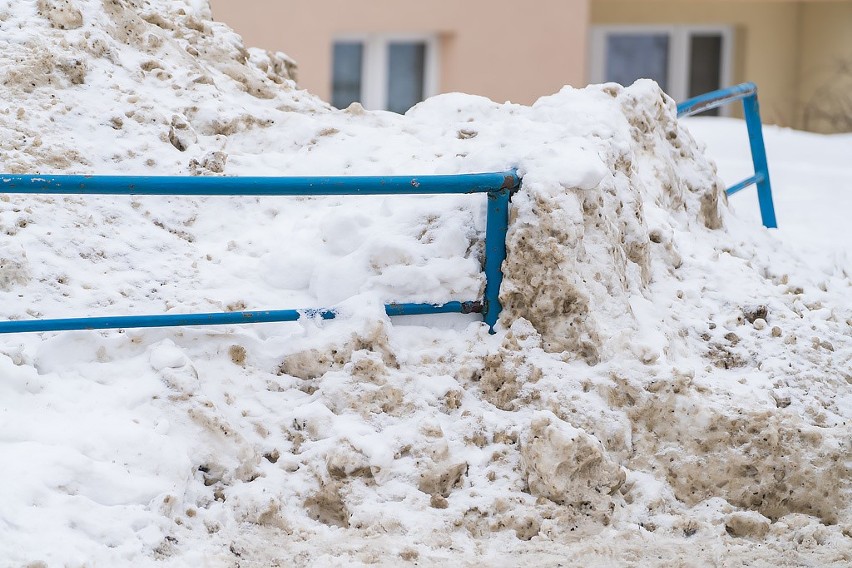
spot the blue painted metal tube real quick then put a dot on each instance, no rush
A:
(756, 178)
(751, 108)
(166, 320)
(715, 99)
(496, 227)
(281, 186)
(470, 307)
(500, 182)
(172, 320)
(758, 157)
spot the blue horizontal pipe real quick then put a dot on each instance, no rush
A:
(472, 307)
(172, 320)
(715, 99)
(755, 179)
(289, 186)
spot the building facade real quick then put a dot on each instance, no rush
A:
(390, 54)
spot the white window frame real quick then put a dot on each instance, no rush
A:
(679, 55)
(374, 65)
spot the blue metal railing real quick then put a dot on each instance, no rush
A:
(497, 186)
(747, 92)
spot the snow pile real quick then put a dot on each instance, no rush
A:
(152, 71)
(667, 378)
(578, 256)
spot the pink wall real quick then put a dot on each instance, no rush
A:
(502, 49)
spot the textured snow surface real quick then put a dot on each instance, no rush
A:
(670, 383)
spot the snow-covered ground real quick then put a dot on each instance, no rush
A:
(811, 178)
(670, 383)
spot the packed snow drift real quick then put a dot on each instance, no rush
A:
(668, 383)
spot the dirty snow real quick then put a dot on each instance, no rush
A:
(669, 385)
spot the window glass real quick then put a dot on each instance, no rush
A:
(406, 74)
(631, 56)
(705, 65)
(346, 73)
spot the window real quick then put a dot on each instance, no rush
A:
(383, 72)
(348, 61)
(686, 61)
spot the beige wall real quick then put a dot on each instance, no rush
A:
(501, 49)
(765, 40)
(826, 66)
(799, 53)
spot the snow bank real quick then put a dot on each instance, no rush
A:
(666, 377)
(582, 248)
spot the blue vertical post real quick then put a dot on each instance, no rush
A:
(758, 157)
(496, 227)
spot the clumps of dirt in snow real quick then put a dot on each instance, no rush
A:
(14, 266)
(278, 66)
(439, 470)
(568, 466)
(61, 14)
(260, 74)
(747, 524)
(327, 506)
(211, 164)
(165, 70)
(43, 68)
(765, 460)
(577, 254)
(315, 362)
(505, 372)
